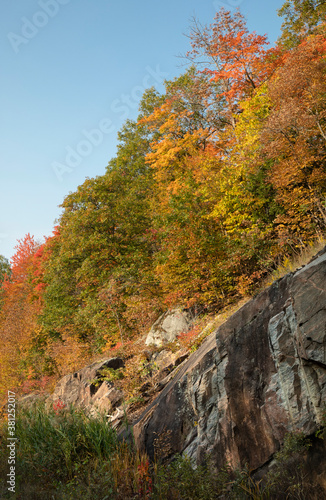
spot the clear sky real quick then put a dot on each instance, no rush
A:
(72, 72)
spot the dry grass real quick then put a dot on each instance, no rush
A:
(206, 325)
(291, 263)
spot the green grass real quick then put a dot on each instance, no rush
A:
(56, 447)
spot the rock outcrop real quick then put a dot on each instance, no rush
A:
(169, 326)
(259, 376)
(88, 389)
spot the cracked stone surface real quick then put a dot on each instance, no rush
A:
(259, 376)
(80, 389)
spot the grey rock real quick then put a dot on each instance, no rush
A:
(85, 388)
(258, 376)
(168, 326)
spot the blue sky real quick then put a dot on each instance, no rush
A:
(72, 72)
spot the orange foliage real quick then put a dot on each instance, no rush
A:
(294, 137)
(18, 319)
(234, 56)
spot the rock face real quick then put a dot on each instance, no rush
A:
(87, 389)
(260, 375)
(168, 326)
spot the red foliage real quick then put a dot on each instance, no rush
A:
(21, 262)
(235, 58)
(58, 406)
(37, 385)
(145, 485)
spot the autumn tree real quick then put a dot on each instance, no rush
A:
(200, 172)
(18, 317)
(182, 157)
(294, 140)
(270, 194)
(241, 198)
(300, 20)
(231, 57)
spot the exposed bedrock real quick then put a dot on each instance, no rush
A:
(87, 388)
(260, 375)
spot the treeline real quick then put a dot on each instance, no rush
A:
(219, 179)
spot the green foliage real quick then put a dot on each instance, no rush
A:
(108, 375)
(181, 480)
(300, 19)
(102, 254)
(4, 268)
(62, 453)
(4, 271)
(288, 474)
(321, 432)
(135, 400)
(294, 442)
